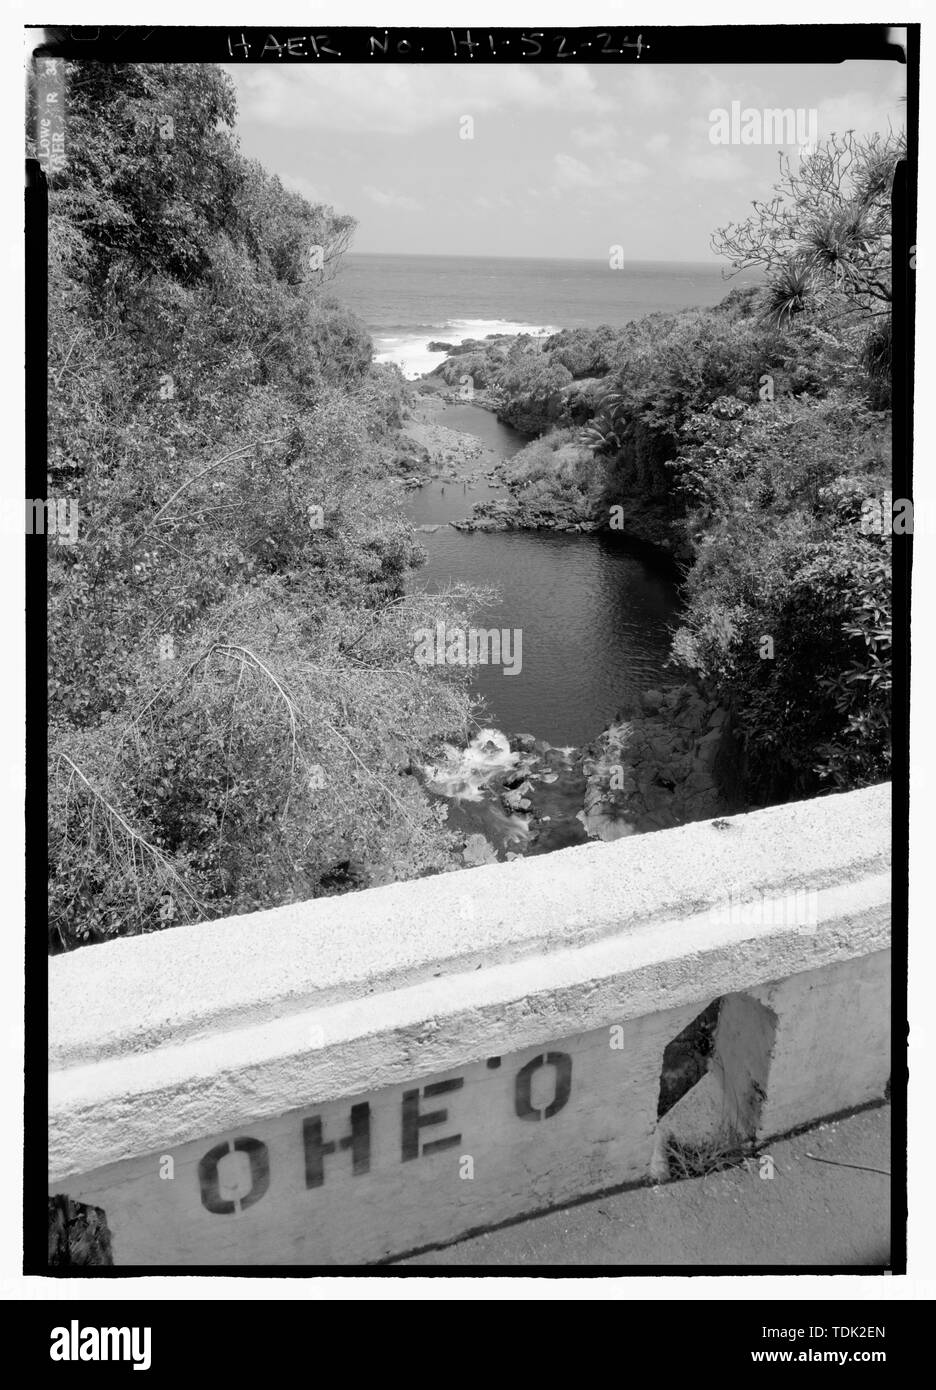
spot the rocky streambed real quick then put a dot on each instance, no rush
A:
(655, 767)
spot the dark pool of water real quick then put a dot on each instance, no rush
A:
(596, 621)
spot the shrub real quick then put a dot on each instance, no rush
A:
(230, 714)
(779, 553)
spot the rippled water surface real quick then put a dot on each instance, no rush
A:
(595, 620)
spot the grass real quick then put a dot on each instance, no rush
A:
(723, 1150)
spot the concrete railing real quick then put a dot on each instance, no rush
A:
(352, 1078)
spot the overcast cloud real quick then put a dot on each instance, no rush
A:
(563, 161)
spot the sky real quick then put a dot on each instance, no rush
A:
(563, 161)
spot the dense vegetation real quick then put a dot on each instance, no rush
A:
(232, 714)
(231, 720)
(742, 440)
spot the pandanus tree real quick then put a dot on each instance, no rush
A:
(824, 238)
(605, 430)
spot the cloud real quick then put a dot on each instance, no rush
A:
(573, 173)
(595, 137)
(650, 89)
(611, 136)
(606, 175)
(719, 164)
(386, 199)
(402, 98)
(698, 159)
(314, 192)
(864, 112)
(490, 204)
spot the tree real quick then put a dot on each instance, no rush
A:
(825, 236)
(232, 709)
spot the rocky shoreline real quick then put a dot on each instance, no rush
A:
(427, 451)
(512, 514)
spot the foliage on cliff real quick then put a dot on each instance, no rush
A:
(231, 718)
(742, 440)
(788, 601)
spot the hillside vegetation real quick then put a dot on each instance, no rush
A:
(231, 718)
(234, 717)
(742, 441)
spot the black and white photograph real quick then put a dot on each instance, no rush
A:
(469, 516)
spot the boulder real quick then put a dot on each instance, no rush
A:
(478, 851)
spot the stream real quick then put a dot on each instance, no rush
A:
(595, 623)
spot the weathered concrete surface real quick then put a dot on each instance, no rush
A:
(161, 989)
(146, 1100)
(809, 1213)
(462, 1150)
(829, 1028)
(265, 1031)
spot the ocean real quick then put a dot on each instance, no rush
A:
(409, 301)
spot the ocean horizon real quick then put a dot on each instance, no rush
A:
(409, 301)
